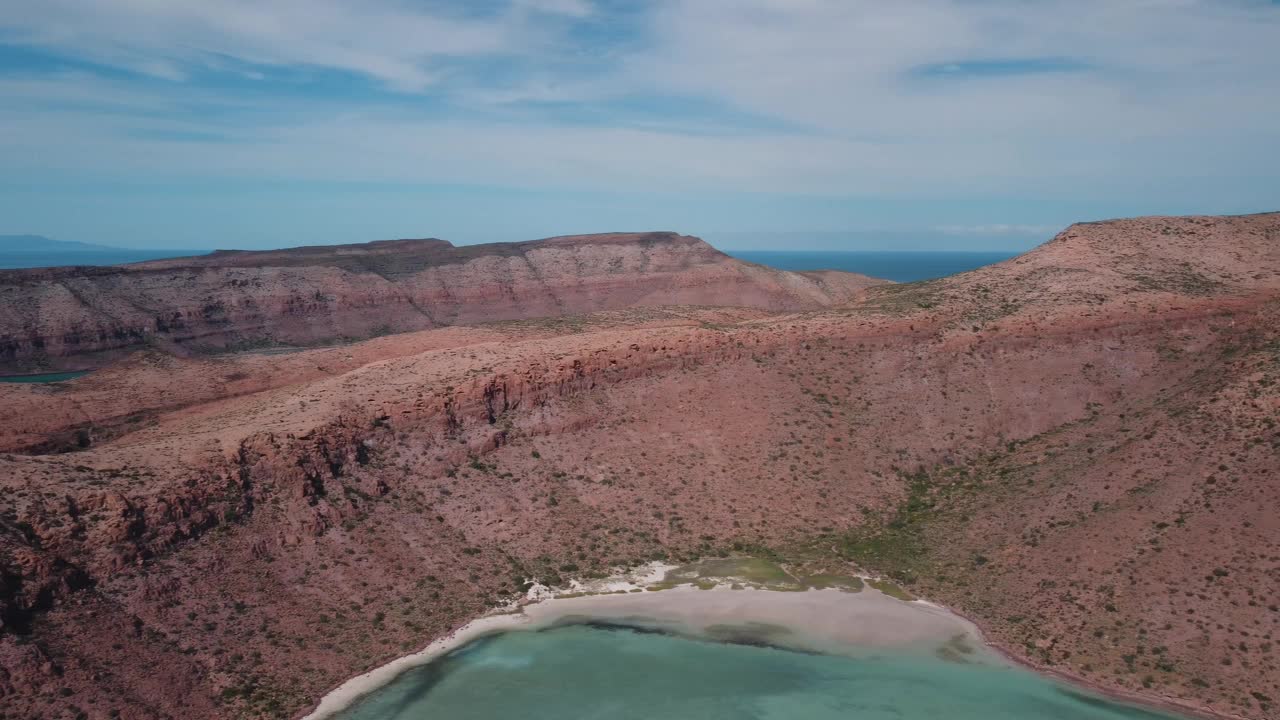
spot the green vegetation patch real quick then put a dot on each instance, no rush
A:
(753, 570)
(897, 547)
(904, 545)
(891, 589)
(902, 298)
(1183, 279)
(825, 581)
(658, 587)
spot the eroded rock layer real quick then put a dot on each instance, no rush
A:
(1078, 448)
(81, 317)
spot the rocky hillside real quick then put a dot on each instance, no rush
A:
(1077, 447)
(57, 318)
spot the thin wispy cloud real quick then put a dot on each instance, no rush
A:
(1025, 108)
(997, 229)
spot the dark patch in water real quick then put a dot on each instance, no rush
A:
(757, 635)
(637, 623)
(573, 680)
(619, 626)
(956, 649)
(424, 678)
(753, 634)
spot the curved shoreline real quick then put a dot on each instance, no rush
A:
(825, 625)
(1156, 702)
(818, 620)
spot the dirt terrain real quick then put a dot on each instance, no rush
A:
(82, 317)
(1077, 448)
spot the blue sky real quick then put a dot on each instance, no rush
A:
(965, 124)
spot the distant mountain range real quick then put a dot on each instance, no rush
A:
(42, 244)
(29, 251)
(333, 292)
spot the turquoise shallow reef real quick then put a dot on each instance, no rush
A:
(615, 673)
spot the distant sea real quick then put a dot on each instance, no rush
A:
(43, 377)
(34, 259)
(896, 266)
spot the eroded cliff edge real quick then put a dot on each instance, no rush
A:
(1076, 447)
(58, 318)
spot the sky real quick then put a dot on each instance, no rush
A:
(781, 124)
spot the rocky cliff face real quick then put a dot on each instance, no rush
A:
(81, 317)
(1077, 447)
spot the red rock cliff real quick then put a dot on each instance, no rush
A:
(79, 317)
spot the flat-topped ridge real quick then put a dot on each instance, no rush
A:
(427, 251)
(77, 317)
(395, 257)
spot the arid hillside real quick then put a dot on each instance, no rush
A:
(1078, 448)
(82, 317)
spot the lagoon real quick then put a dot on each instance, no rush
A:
(718, 640)
(620, 673)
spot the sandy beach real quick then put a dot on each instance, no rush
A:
(828, 620)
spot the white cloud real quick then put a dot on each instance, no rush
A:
(572, 8)
(391, 41)
(997, 229)
(845, 65)
(1163, 94)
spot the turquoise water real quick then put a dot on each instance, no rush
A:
(896, 266)
(589, 672)
(45, 378)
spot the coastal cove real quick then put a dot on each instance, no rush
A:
(247, 504)
(664, 641)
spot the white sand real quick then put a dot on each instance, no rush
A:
(832, 621)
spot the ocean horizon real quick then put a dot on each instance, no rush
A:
(898, 266)
(895, 265)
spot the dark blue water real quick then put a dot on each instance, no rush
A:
(896, 266)
(12, 260)
(44, 378)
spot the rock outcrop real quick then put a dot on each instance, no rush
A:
(56, 318)
(1076, 447)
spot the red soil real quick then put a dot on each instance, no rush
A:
(81, 317)
(1087, 434)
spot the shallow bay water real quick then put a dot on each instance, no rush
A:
(616, 673)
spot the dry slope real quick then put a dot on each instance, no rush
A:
(81, 317)
(1078, 447)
